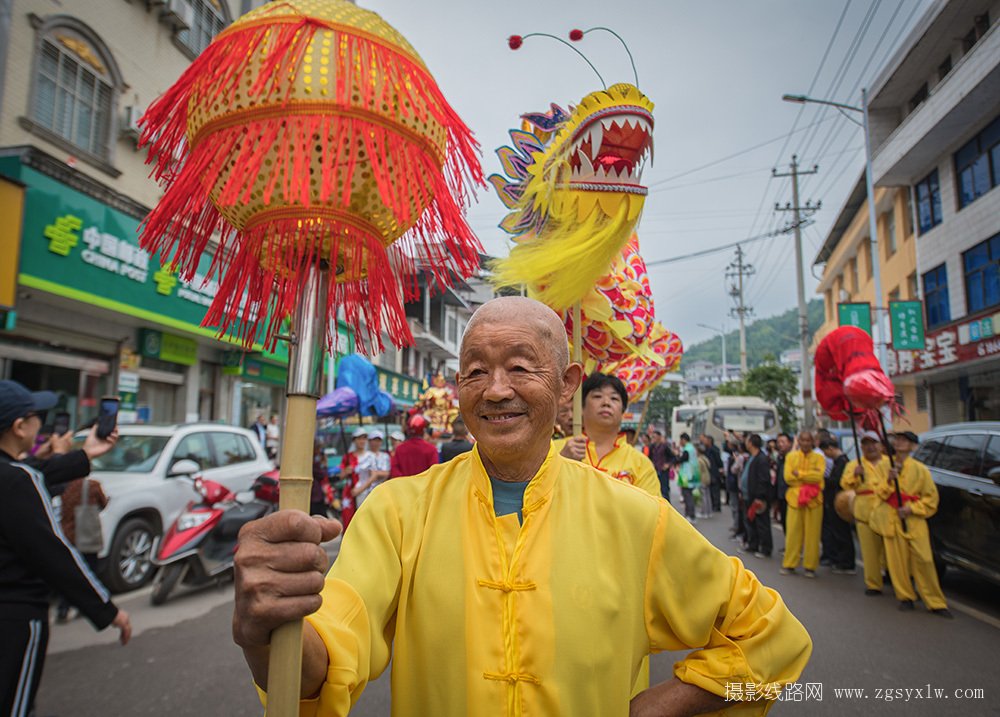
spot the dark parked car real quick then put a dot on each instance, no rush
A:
(964, 460)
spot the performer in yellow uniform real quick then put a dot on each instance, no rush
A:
(604, 447)
(863, 479)
(804, 520)
(909, 553)
(511, 580)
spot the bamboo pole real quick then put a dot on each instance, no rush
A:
(305, 380)
(577, 358)
(642, 417)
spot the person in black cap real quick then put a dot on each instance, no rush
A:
(908, 550)
(35, 557)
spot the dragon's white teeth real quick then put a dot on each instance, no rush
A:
(650, 150)
(596, 139)
(644, 124)
(607, 122)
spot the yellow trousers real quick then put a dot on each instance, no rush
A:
(872, 554)
(802, 524)
(912, 556)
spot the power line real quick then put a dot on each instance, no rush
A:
(736, 154)
(713, 250)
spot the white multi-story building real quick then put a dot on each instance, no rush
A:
(935, 129)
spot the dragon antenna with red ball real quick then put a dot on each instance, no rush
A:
(515, 41)
(577, 35)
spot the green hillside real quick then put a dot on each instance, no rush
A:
(764, 336)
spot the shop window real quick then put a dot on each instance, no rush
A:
(982, 275)
(207, 21)
(936, 296)
(981, 23)
(194, 448)
(977, 164)
(944, 68)
(75, 87)
(919, 96)
(929, 202)
(890, 245)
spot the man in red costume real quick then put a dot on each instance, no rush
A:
(415, 454)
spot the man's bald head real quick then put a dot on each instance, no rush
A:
(522, 311)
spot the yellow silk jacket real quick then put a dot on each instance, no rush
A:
(914, 481)
(484, 616)
(624, 462)
(864, 488)
(810, 467)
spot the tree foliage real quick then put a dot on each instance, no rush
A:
(662, 401)
(772, 382)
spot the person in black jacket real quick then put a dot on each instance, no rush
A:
(838, 542)
(761, 493)
(35, 557)
(459, 442)
(714, 456)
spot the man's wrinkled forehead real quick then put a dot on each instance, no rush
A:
(526, 334)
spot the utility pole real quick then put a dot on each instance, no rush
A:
(738, 270)
(798, 212)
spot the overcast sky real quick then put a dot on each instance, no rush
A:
(716, 70)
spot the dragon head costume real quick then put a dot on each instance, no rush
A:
(574, 188)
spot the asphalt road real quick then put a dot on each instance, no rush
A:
(182, 660)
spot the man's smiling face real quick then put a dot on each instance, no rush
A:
(512, 379)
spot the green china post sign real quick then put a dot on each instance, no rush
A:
(75, 246)
(907, 320)
(855, 314)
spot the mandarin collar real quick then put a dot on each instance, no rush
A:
(539, 487)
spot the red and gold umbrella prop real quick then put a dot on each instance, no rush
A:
(300, 147)
(310, 134)
(850, 385)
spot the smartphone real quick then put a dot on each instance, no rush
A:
(107, 419)
(60, 425)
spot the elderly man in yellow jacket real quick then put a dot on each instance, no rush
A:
(908, 551)
(804, 520)
(511, 580)
(863, 478)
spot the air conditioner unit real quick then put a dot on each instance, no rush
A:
(130, 124)
(179, 14)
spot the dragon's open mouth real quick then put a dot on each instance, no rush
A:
(608, 151)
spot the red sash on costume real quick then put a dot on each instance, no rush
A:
(906, 499)
(807, 492)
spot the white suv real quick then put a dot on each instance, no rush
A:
(144, 498)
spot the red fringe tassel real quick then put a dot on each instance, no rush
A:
(262, 264)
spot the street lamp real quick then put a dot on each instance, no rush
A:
(722, 333)
(872, 221)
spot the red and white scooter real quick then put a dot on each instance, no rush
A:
(201, 544)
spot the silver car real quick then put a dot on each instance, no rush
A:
(145, 496)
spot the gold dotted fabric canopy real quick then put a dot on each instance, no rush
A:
(310, 133)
